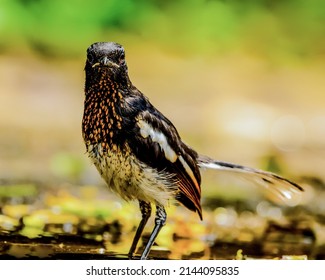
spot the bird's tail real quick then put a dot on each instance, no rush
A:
(278, 187)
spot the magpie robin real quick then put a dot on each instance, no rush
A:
(138, 151)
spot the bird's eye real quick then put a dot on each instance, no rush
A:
(90, 57)
(122, 59)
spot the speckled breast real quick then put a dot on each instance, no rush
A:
(130, 178)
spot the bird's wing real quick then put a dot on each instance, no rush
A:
(158, 144)
(278, 188)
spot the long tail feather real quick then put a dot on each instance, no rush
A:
(278, 188)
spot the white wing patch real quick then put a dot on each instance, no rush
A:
(147, 130)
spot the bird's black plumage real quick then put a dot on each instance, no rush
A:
(136, 149)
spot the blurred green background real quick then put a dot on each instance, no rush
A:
(242, 80)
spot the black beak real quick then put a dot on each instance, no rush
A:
(104, 61)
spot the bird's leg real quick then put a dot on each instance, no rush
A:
(145, 209)
(160, 221)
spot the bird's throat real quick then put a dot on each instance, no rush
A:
(102, 120)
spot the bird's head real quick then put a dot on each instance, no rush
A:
(106, 58)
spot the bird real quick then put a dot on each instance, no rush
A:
(138, 151)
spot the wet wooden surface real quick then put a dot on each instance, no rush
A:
(87, 222)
